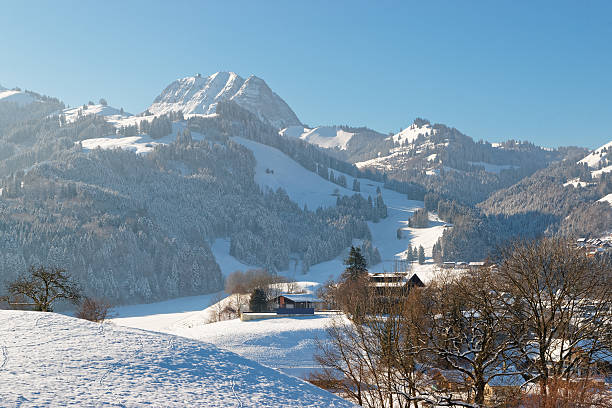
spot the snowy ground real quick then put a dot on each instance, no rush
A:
(54, 360)
(285, 344)
(161, 315)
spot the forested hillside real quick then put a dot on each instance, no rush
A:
(135, 222)
(138, 227)
(561, 199)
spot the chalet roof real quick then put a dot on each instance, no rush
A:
(301, 297)
(415, 280)
(386, 274)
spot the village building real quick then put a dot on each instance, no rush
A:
(384, 283)
(296, 303)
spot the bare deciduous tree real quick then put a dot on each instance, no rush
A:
(561, 298)
(43, 286)
(371, 353)
(537, 330)
(467, 329)
(94, 310)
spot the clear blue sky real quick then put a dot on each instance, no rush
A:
(538, 71)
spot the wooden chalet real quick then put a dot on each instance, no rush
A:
(296, 303)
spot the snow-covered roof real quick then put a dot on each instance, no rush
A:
(301, 297)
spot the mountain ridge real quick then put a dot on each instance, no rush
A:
(200, 95)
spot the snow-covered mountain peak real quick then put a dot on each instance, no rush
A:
(200, 95)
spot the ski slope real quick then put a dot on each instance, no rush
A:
(307, 188)
(53, 360)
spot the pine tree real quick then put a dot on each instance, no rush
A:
(409, 255)
(381, 207)
(421, 255)
(356, 265)
(258, 302)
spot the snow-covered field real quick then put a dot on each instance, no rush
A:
(110, 113)
(285, 344)
(322, 136)
(137, 144)
(53, 360)
(161, 315)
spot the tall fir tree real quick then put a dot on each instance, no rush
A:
(356, 265)
(258, 302)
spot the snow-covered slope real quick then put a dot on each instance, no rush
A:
(200, 95)
(19, 97)
(594, 158)
(597, 160)
(606, 199)
(328, 137)
(53, 360)
(110, 113)
(307, 188)
(138, 144)
(411, 133)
